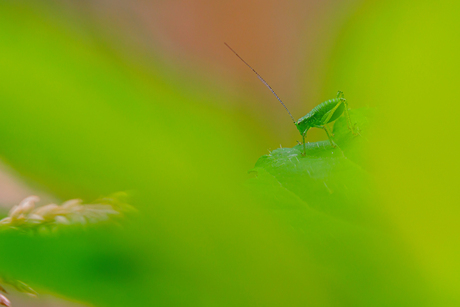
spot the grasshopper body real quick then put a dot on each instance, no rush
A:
(323, 114)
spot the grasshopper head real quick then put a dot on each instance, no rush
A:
(302, 125)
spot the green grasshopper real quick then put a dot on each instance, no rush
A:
(319, 117)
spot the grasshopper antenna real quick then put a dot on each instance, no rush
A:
(263, 81)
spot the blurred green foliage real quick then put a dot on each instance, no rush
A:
(82, 122)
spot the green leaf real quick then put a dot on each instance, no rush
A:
(335, 181)
(329, 200)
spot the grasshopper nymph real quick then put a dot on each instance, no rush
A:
(319, 117)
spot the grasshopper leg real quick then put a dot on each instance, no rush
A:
(352, 127)
(330, 130)
(326, 128)
(304, 148)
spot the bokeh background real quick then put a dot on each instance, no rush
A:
(102, 96)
